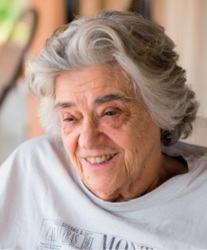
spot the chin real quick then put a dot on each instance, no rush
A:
(102, 188)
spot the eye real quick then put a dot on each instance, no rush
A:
(68, 119)
(110, 113)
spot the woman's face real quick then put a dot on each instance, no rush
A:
(111, 139)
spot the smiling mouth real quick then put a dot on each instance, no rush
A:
(99, 160)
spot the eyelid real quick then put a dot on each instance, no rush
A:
(67, 116)
(74, 115)
(114, 110)
(69, 119)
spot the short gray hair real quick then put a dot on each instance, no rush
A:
(141, 49)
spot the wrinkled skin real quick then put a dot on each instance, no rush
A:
(120, 127)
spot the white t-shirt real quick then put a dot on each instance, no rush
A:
(44, 205)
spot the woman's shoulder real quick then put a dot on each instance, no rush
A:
(45, 142)
(37, 146)
(39, 152)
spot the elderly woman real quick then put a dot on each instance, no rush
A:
(113, 176)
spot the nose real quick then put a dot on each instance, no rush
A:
(90, 135)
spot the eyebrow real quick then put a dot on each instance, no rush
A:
(98, 100)
(109, 98)
(62, 105)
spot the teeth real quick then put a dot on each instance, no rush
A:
(93, 160)
(108, 157)
(99, 159)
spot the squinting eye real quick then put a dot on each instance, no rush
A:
(69, 119)
(110, 113)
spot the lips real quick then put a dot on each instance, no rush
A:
(99, 160)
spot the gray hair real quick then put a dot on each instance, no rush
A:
(141, 49)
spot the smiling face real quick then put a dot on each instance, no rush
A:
(111, 139)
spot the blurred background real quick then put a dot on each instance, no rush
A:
(26, 24)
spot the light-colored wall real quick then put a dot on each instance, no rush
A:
(120, 5)
(186, 23)
(90, 7)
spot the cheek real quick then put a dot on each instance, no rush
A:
(70, 141)
(70, 148)
(133, 137)
(121, 131)
(114, 122)
(70, 133)
(131, 160)
(67, 128)
(115, 127)
(70, 145)
(68, 137)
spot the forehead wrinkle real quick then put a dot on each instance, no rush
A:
(84, 89)
(81, 83)
(77, 85)
(91, 84)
